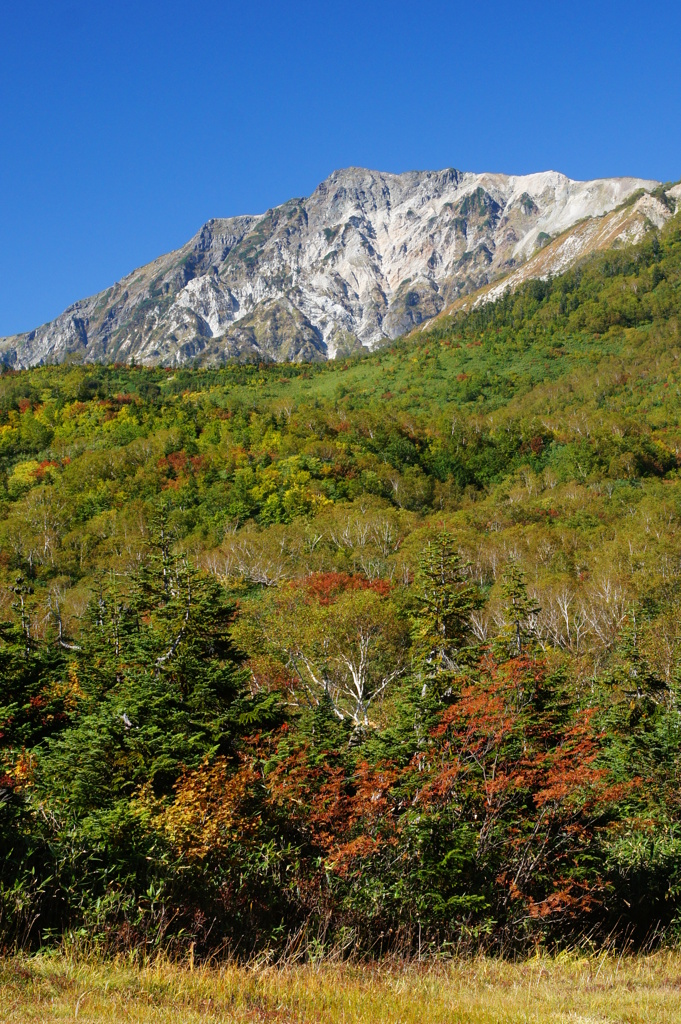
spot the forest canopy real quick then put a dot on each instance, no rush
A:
(377, 652)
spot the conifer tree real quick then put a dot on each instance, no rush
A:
(158, 673)
(635, 716)
(518, 631)
(35, 703)
(442, 646)
(441, 632)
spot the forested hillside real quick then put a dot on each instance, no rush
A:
(376, 653)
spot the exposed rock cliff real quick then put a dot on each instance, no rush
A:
(366, 257)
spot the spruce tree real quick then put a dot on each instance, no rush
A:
(159, 673)
(518, 631)
(35, 703)
(441, 631)
(443, 648)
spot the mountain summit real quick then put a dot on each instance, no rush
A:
(365, 258)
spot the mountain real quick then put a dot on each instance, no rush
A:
(627, 223)
(367, 257)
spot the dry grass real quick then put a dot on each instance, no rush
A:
(570, 989)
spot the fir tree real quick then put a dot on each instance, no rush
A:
(518, 632)
(442, 647)
(441, 631)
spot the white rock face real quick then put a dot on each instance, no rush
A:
(366, 257)
(625, 224)
(593, 234)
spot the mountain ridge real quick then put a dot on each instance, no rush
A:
(625, 224)
(368, 256)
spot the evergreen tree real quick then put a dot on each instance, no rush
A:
(639, 720)
(159, 674)
(441, 631)
(442, 647)
(36, 702)
(155, 679)
(518, 631)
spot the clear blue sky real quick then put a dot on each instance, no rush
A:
(125, 125)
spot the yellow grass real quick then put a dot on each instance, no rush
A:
(570, 989)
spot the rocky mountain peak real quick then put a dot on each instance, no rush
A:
(366, 257)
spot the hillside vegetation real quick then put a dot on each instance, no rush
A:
(378, 654)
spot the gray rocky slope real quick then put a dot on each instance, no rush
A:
(365, 258)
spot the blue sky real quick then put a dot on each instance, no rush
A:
(125, 125)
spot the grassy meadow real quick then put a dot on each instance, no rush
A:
(570, 988)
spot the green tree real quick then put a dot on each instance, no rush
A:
(155, 683)
(441, 630)
(518, 634)
(442, 649)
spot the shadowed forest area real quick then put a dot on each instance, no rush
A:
(369, 656)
